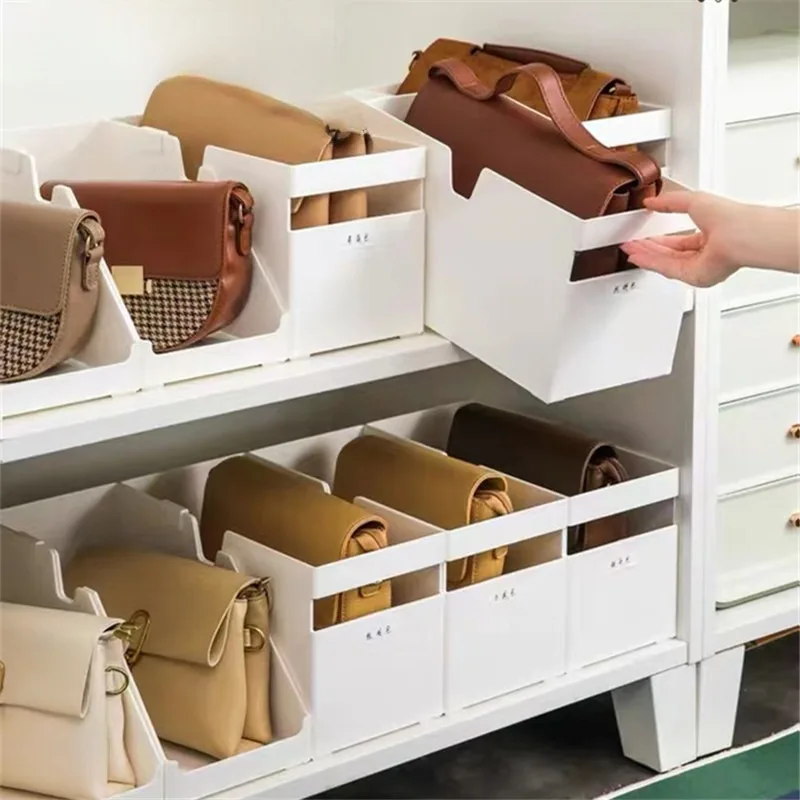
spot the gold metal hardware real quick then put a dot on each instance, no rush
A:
(126, 681)
(255, 590)
(794, 520)
(794, 432)
(130, 280)
(254, 639)
(796, 340)
(134, 633)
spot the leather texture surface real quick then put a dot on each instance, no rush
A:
(542, 453)
(283, 511)
(201, 112)
(49, 279)
(202, 688)
(177, 231)
(556, 158)
(60, 733)
(592, 94)
(428, 485)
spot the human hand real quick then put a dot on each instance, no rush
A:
(700, 259)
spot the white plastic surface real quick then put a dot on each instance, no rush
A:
(498, 280)
(352, 282)
(750, 286)
(110, 363)
(31, 575)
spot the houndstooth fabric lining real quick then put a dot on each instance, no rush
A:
(25, 341)
(173, 312)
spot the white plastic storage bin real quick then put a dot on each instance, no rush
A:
(111, 361)
(116, 151)
(369, 676)
(508, 632)
(124, 516)
(623, 596)
(31, 575)
(498, 274)
(347, 283)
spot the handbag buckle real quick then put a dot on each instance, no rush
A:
(112, 670)
(134, 633)
(254, 639)
(243, 225)
(370, 590)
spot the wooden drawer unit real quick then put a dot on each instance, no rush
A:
(758, 541)
(760, 349)
(762, 161)
(759, 440)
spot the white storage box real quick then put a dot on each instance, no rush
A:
(111, 361)
(116, 151)
(31, 575)
(127, 517)
(347, 283)
(498, 274)
(368, 676)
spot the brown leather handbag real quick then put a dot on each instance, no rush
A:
(539, 452)
(200, 112)
(592, 94)
(557, 158)
(49, 285)
(178, 251)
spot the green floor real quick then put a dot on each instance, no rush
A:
(766, 772)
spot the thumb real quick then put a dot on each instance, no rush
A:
(671, 202)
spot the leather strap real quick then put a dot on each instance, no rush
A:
(527, 55)
(643, 168)
(241, 202)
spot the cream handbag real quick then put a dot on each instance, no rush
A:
(63, 703)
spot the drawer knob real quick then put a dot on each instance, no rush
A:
(794, 432)
(796, 340)
(794, 520)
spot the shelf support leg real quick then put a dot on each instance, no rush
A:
(657, 718)
(719, 682)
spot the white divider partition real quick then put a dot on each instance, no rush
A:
(117, 151)
(111, 361)
(347, 283)
(123, 516)
(499, 265)
(30, 574)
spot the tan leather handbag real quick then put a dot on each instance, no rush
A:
(592, 94)
(430, 486)
(179, 252)
(63, 704)
(200, 652)
(201, 112)
(49, 285)
(291, 515)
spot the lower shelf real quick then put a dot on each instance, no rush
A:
(396, 748)
(762, 617)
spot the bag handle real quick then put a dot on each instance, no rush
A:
(527, 55)
(644, 169)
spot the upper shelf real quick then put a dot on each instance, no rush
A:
(58, 429)
(763, 77)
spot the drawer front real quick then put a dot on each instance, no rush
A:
(763, 161)
(757, 441)
(758, 350)
(758, 547)
(758, 286)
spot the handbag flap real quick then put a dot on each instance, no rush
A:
(418, 481)
(37, 242)
(174, 229)
(202, 112)
(188, 603)
(47, 655)
(283, 511)
(531, 449)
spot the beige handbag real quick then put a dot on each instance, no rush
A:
(200, 654)
(63, 704)
(49, 276)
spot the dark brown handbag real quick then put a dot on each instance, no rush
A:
(557, 158)
(592, 94)
(179, 253)
(548, 455)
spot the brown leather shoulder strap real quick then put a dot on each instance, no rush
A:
(527, 55)
(645, 170)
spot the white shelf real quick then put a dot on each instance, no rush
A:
(31, 435)
(414, 742)
(762, 617)
(763, 77)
